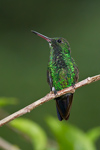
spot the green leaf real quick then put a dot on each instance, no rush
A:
(33, 131)
(93, 134)
(68, 136)
(7, 101)
(52, 148)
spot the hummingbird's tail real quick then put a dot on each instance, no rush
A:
(63, 105)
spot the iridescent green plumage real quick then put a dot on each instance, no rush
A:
(61, 67)
(62, 72)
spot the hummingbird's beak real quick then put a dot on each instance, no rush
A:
(42, 36)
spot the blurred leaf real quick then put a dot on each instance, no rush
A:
(93, 134)
(7, 101)
(69, 137)
(33, 131)
(52, 148)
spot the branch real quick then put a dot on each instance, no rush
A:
(6, 145)
(49, 97)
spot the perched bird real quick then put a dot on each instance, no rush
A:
(62, 72)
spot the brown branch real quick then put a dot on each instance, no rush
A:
(49, 97)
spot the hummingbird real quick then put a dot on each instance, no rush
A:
(62, 72)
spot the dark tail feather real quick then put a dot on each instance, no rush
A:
(63, 105)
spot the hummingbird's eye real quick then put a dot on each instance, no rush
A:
(59, 41)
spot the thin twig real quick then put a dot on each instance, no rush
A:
(6, 145)
(49, 97)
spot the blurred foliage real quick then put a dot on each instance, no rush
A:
(24, 57)
(94, 134)
(33, 131)
(67, 136)
(8, 101)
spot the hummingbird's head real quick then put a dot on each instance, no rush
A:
(56, 43)
(61, 44)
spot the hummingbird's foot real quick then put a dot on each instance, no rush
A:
(73, 87)
(54, 91)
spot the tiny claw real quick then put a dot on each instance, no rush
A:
(73, 87)
(55, 92)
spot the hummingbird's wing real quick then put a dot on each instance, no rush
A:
(49, 80)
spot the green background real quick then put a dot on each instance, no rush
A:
(24, 57)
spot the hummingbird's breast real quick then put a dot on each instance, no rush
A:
(62, 68)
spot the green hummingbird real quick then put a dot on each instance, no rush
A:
(62, 72)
